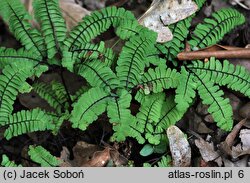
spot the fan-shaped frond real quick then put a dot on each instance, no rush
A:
(185, 92)
(7, 163)
(225, 74)
(52, 24)
(98, 75)
(43, 157)
(219, 107)
(54, 93)
(131, 62)
(213, 29)
(88, 107)
(95, 24)
(15, 14)
(26, 122)
(9, 56)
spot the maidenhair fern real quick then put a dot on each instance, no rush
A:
(7, 163)
(129, 87)
(43, 157)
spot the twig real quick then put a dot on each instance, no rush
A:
(194, 55)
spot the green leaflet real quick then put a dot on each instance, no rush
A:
(98, 75)
(52, 24)
(130, 64)
(26, 122)
(43, 157)
(15, 14)
(224, 74)
(7, 163)
(88, 107)
(95, 24)
(213, 30)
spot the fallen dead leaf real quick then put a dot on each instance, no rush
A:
(99, 159)
(242, 148)
(207, 151)
(179, 147)
(165, 12)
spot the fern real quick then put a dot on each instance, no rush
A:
(224, 74)
(10, 56)
(95, 24)
(7, 163)
(15, 14)
(43, 157)
(12, 81)
(88, 107)
(52, 24)
(26, 122)
(165, 161)
(53, 93)
(185, 92)
(98, 74)
(130, 64)
(213, 30)
(156, 80)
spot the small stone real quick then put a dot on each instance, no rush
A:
(245, 111)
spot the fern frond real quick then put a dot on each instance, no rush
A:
(98, 75)
(225, 74)
(219, 107)
(95, 24)
(52, 24)
(17, 17)
(88, 51)
(149, 115)
(9, 56)
(54, 93)
(213, 29)
(121, 118)
(7, 163)
(131, 64)
(185, 92)
(155, 80)
(26, 122)
(88, 107)
(165, 161)
(180, 31)
(169, 116)
(43, 157)
(12, 81)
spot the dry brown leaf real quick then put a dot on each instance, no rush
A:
(179, 147)
(99, 159)
(208, 151)
(244, 147)
(165, 12)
